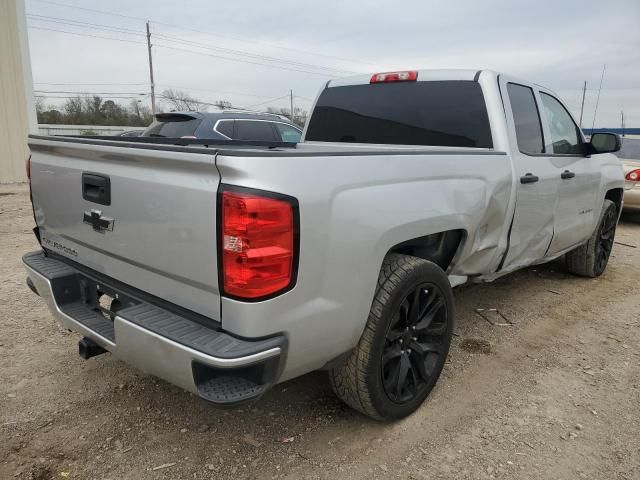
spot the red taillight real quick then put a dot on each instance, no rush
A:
(28, 166)
(385, 77)
(258, 242)
(633, 175)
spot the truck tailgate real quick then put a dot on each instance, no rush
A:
(158, 231)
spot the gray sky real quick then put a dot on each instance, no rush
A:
(555, 43)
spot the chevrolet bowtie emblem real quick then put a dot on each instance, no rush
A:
(97, 221)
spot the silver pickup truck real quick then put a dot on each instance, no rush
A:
(225, 268)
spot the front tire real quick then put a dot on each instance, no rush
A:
(405, 342)
(590, 259)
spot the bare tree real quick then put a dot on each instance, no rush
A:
(223, 104)
(40, 106)
(299, 115)
(179, 100)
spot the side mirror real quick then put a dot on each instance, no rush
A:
(605, 142)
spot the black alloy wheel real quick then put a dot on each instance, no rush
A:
(415, 341)
(605, 239)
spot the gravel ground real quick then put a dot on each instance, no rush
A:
(553, 395)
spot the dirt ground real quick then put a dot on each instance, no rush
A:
(555, 394)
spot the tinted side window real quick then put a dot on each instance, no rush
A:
(444, 113)
(173, 127)
(288, 133)
(526, 118)
(565, 135)
(254, 130)
(225, 127)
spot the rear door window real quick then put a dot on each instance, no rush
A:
(256, 130)
(443, 113)
(287, 132)
(526, 118)
(173, 126)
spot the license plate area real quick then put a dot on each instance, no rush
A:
(103, 298)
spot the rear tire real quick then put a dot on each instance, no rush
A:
(403, 348)
(590, 259)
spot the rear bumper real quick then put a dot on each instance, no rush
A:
(214, 365)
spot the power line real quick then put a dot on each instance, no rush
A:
(207, 46)
(81, 24)
(242, 61)
(264, 103)
(90, 10)
(264, 44)
(215, 92)
(306, 52)
(75, 96)
(172, 39)
(179, 87)
(67, 84)
(32, 27)
(84, 92)
(180, 49)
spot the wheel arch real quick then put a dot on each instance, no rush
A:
(615, 195)
(440, 248)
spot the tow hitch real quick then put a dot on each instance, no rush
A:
(87, 348)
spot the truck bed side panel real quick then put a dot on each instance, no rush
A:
(353, 209)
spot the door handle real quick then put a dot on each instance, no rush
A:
(529, 178)
(567, 174)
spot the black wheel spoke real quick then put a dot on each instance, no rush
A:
(414, 311)
(390, 354)
(418, 362)
(401, 379)
(430, 313)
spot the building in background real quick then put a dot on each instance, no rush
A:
(17, 106)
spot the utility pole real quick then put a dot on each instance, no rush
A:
(584, 91)
(622, 121)
(291, 96)
(153, 86)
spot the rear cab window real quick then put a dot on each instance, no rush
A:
(439, 113)
(173, 126)
(526, 118)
